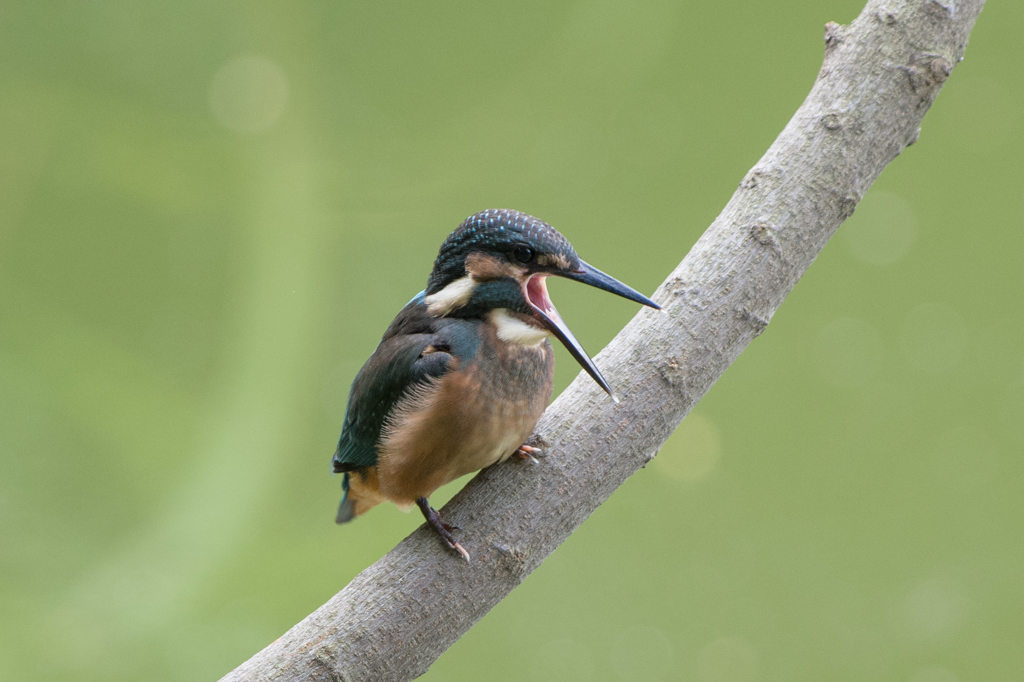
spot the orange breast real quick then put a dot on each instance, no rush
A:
(474, 416)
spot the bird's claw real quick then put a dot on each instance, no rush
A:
(447, 526)
(461, 550)
(528, 453)
(443, 529)
(450, 541)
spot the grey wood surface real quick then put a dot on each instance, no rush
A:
(879, 76)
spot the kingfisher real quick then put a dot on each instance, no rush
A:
(465, 370)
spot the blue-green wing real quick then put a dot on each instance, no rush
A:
(397, 365)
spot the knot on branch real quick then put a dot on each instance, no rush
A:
(927, 71)
(833, 35)
(324, 661)
(914, 136)
(940, 68)
(757, 322)
(831, 121)
(946, 10)
(887, 17)
(847, 205)
(759, 176)
(763, 233)
(673, 373)
(691, 295)
(752, 179)
(513, 560)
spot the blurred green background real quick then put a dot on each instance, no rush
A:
(209, 212)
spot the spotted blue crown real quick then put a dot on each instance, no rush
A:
(495, 231)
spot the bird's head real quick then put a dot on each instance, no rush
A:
(494, 266)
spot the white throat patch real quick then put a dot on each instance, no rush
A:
(511, 329)
(452, 297)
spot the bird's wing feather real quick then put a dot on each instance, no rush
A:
(416, 349)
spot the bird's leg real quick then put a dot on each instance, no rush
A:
(443, 529)
(528, 453)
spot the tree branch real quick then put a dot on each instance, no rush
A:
(879, 77)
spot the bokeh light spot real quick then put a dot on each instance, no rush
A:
(248, 94)
(932, 337)
(692, 452)
(882, 230)
(642, 653)
(847, 352)
(729, 659)
(933, 674)
(935, 609)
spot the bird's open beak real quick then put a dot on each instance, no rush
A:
(588, 274)
(536, 291)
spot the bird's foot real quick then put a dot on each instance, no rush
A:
(447, 526)
(443, 529)
(528, 453)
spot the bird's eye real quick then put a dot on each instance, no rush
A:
(522, 253)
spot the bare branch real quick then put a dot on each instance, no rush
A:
(879, 77)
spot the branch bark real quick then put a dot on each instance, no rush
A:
(879, 77)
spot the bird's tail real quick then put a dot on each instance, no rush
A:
(362, 494)
(346, 510)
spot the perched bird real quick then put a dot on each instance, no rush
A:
(464, 372)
